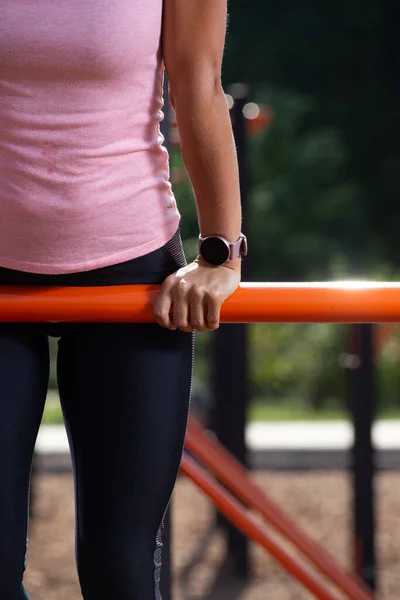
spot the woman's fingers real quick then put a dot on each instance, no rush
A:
(180, 308)
(163, 305)
(197, 309)
(213, 312)
(192, 297)
(184, 308)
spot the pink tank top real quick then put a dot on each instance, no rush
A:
(84, 175)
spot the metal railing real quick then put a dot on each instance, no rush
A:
(330, 302)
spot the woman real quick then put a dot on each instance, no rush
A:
(85, 200)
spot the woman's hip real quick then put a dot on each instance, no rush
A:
(150, 268)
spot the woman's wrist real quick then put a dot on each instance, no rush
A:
(208, 255)
(235, 263)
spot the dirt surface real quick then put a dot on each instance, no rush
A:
(320, 503)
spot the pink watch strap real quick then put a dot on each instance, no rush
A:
(239, 247)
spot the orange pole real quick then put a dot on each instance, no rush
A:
(235, 477)
(339, 302)
(232, 509)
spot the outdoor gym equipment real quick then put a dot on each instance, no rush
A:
(334, 302)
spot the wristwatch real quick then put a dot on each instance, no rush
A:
(216, 250)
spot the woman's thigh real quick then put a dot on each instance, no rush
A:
(125, 395)
(24, 371)
(125, 392)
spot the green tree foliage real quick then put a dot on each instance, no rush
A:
(342, 56)
(302, 200)
(299, 362)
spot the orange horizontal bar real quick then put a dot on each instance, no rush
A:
(235, 476)
(326, 302)
(238, 515)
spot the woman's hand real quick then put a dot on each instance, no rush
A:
(192, 297)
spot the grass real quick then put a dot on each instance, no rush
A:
(291, 411)
(266, 412)
(258, 411)
(52, 412)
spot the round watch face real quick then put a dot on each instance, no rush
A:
(214, 251)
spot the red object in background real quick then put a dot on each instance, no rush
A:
(384, 334)
(258, 117)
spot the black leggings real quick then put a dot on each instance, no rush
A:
(124, 391)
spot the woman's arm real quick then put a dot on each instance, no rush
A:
(192, 43)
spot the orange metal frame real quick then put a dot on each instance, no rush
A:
(335, 302)
(235, 512)
(230, 472)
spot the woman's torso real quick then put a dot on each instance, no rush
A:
(84, 178)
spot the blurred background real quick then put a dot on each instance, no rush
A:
(318, 89)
